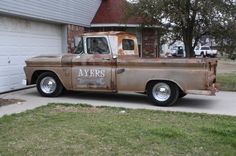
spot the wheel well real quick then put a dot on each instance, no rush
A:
(152, 81)
(37, 73)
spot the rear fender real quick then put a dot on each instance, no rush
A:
(166, 80)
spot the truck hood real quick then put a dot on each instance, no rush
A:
(46, 60)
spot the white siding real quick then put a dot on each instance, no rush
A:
(78, 12)
(21, 39)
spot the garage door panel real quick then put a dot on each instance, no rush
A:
(16, 79)
(21, 39)
(17, 51)
(7, 84)
(13, 80)
(4, 88)
(29, 51)
(4, 80)
(20, 34)
(13, 69)
(27, 26)
(3, 72)
(29, 41)
(3, 60)
(16, 60)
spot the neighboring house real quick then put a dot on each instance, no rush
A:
(32, 27)
(110, 16)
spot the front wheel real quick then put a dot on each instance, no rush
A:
(163, 93)
(49, 85)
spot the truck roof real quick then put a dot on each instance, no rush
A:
(107, 33)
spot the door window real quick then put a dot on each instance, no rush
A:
(97, 45)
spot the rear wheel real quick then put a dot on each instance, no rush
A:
(49, 85)
(163, 93)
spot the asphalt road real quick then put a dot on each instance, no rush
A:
(223, 103)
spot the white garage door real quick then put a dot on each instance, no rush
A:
(21, 39)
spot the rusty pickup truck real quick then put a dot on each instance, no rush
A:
(110, 62)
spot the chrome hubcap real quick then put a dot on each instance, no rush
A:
(161, 92)
(48, 85)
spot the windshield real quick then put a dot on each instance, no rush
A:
(97, 45)
(80, 47)
(205, 48)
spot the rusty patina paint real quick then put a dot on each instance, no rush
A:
(125, 71)
(121, 37)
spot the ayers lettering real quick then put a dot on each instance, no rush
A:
(91, 73)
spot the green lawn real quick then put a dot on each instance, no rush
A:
(63, 129)
(227, 81)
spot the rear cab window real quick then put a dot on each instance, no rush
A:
(127, 44)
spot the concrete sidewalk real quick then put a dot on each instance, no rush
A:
(224, 103)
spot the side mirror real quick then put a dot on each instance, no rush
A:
(114, 56)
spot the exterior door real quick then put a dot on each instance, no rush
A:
(94, 68)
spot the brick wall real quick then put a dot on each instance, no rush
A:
(72, 32)
(150, 43)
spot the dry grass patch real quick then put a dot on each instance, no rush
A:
(4, 102)
(72, 109)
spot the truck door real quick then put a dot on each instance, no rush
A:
(94, 68)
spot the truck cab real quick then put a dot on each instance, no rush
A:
(95, 64)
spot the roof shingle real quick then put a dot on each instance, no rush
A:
(112, 12)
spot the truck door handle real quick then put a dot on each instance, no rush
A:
(106, 59)
(119, 71)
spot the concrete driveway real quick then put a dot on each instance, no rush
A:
(223, 103)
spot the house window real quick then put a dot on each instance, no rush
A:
(97, 45)
(128, 44)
